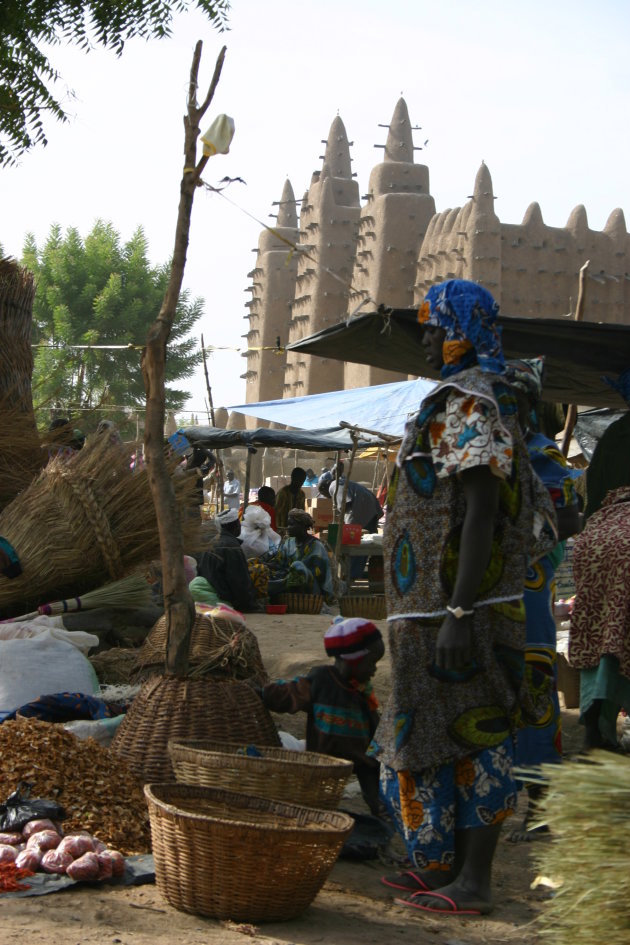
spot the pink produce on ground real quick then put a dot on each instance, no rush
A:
(55, 862)
(43, 840)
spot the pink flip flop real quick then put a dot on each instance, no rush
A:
(419, 884)
(449, 906)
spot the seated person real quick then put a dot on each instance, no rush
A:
(267, 501)
(341, 708)
(224, 566)
(301, 562)
(290, 497)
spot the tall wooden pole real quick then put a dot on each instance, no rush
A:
(178, 604)
(569, 425)
(219, 467)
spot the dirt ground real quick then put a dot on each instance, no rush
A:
(353, 908)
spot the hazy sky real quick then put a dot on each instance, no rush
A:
(537, 90)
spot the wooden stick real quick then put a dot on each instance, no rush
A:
(569, 425)
(178, 603)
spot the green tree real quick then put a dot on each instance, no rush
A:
(100, 292)
(27, 76)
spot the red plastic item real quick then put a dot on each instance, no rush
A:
(351, 534)
(276, 608)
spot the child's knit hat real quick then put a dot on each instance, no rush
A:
(350, 639)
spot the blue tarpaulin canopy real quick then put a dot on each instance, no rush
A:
(383, 408)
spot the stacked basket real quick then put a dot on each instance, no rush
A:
(249, 832)
(236, 856)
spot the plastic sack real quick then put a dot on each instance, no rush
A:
(19, 808)
(257, 535)
(101, 730)
(40, 666)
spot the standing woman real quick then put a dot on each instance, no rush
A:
(458, 529)
(542, 743)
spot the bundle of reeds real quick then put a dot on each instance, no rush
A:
(20, 455)
(587, 809)
(85, 520)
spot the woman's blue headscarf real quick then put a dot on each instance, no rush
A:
(468, 314)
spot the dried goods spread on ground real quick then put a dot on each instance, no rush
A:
(94, 786)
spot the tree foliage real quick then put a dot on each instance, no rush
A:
(100, 292)
(27, 76)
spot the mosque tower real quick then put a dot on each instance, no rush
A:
(328, 229)
(272, 288)
(392, 225)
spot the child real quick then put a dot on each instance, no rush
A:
(338, 698)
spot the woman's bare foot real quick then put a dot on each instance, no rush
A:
(454, 899)
(415, 881)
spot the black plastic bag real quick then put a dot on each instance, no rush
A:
(20, 807)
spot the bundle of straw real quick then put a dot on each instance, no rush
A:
(131, 591)
(20, 455)
(85, 520)
(587, 808)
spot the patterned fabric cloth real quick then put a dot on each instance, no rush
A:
(435, 716)
(477, 791)
(600, 623)
(305, 566)
(468, 314)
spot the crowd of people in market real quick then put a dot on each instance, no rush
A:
(479, 506)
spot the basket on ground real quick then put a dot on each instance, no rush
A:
(302, 603)
(234, 856)
(297, 777)
(370, 606)
(168, 707)
(217, 647)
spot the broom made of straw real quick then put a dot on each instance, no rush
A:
(131, 591)
(587, 809)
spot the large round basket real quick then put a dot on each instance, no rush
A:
(168, 707)
(216, 647)
(234, 856)
(370, 606)
(297, 777)
(302, 603)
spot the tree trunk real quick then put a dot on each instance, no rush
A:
(178, 604)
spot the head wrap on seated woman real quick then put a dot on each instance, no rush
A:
(301, 518)
(468, 314)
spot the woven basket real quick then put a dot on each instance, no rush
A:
(302, 603)
(233, 856)
(216, 647)
(168, 707)
(372, 606)
(297, 777)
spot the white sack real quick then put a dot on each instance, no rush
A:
(41, 666)
(257, 535)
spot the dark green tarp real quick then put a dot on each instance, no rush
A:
(312, 441)
(577, 354)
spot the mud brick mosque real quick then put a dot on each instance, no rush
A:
(392, 248)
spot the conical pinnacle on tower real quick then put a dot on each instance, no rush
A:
(482, 194)
(337, 154)
(287, 212)
(399, 145)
